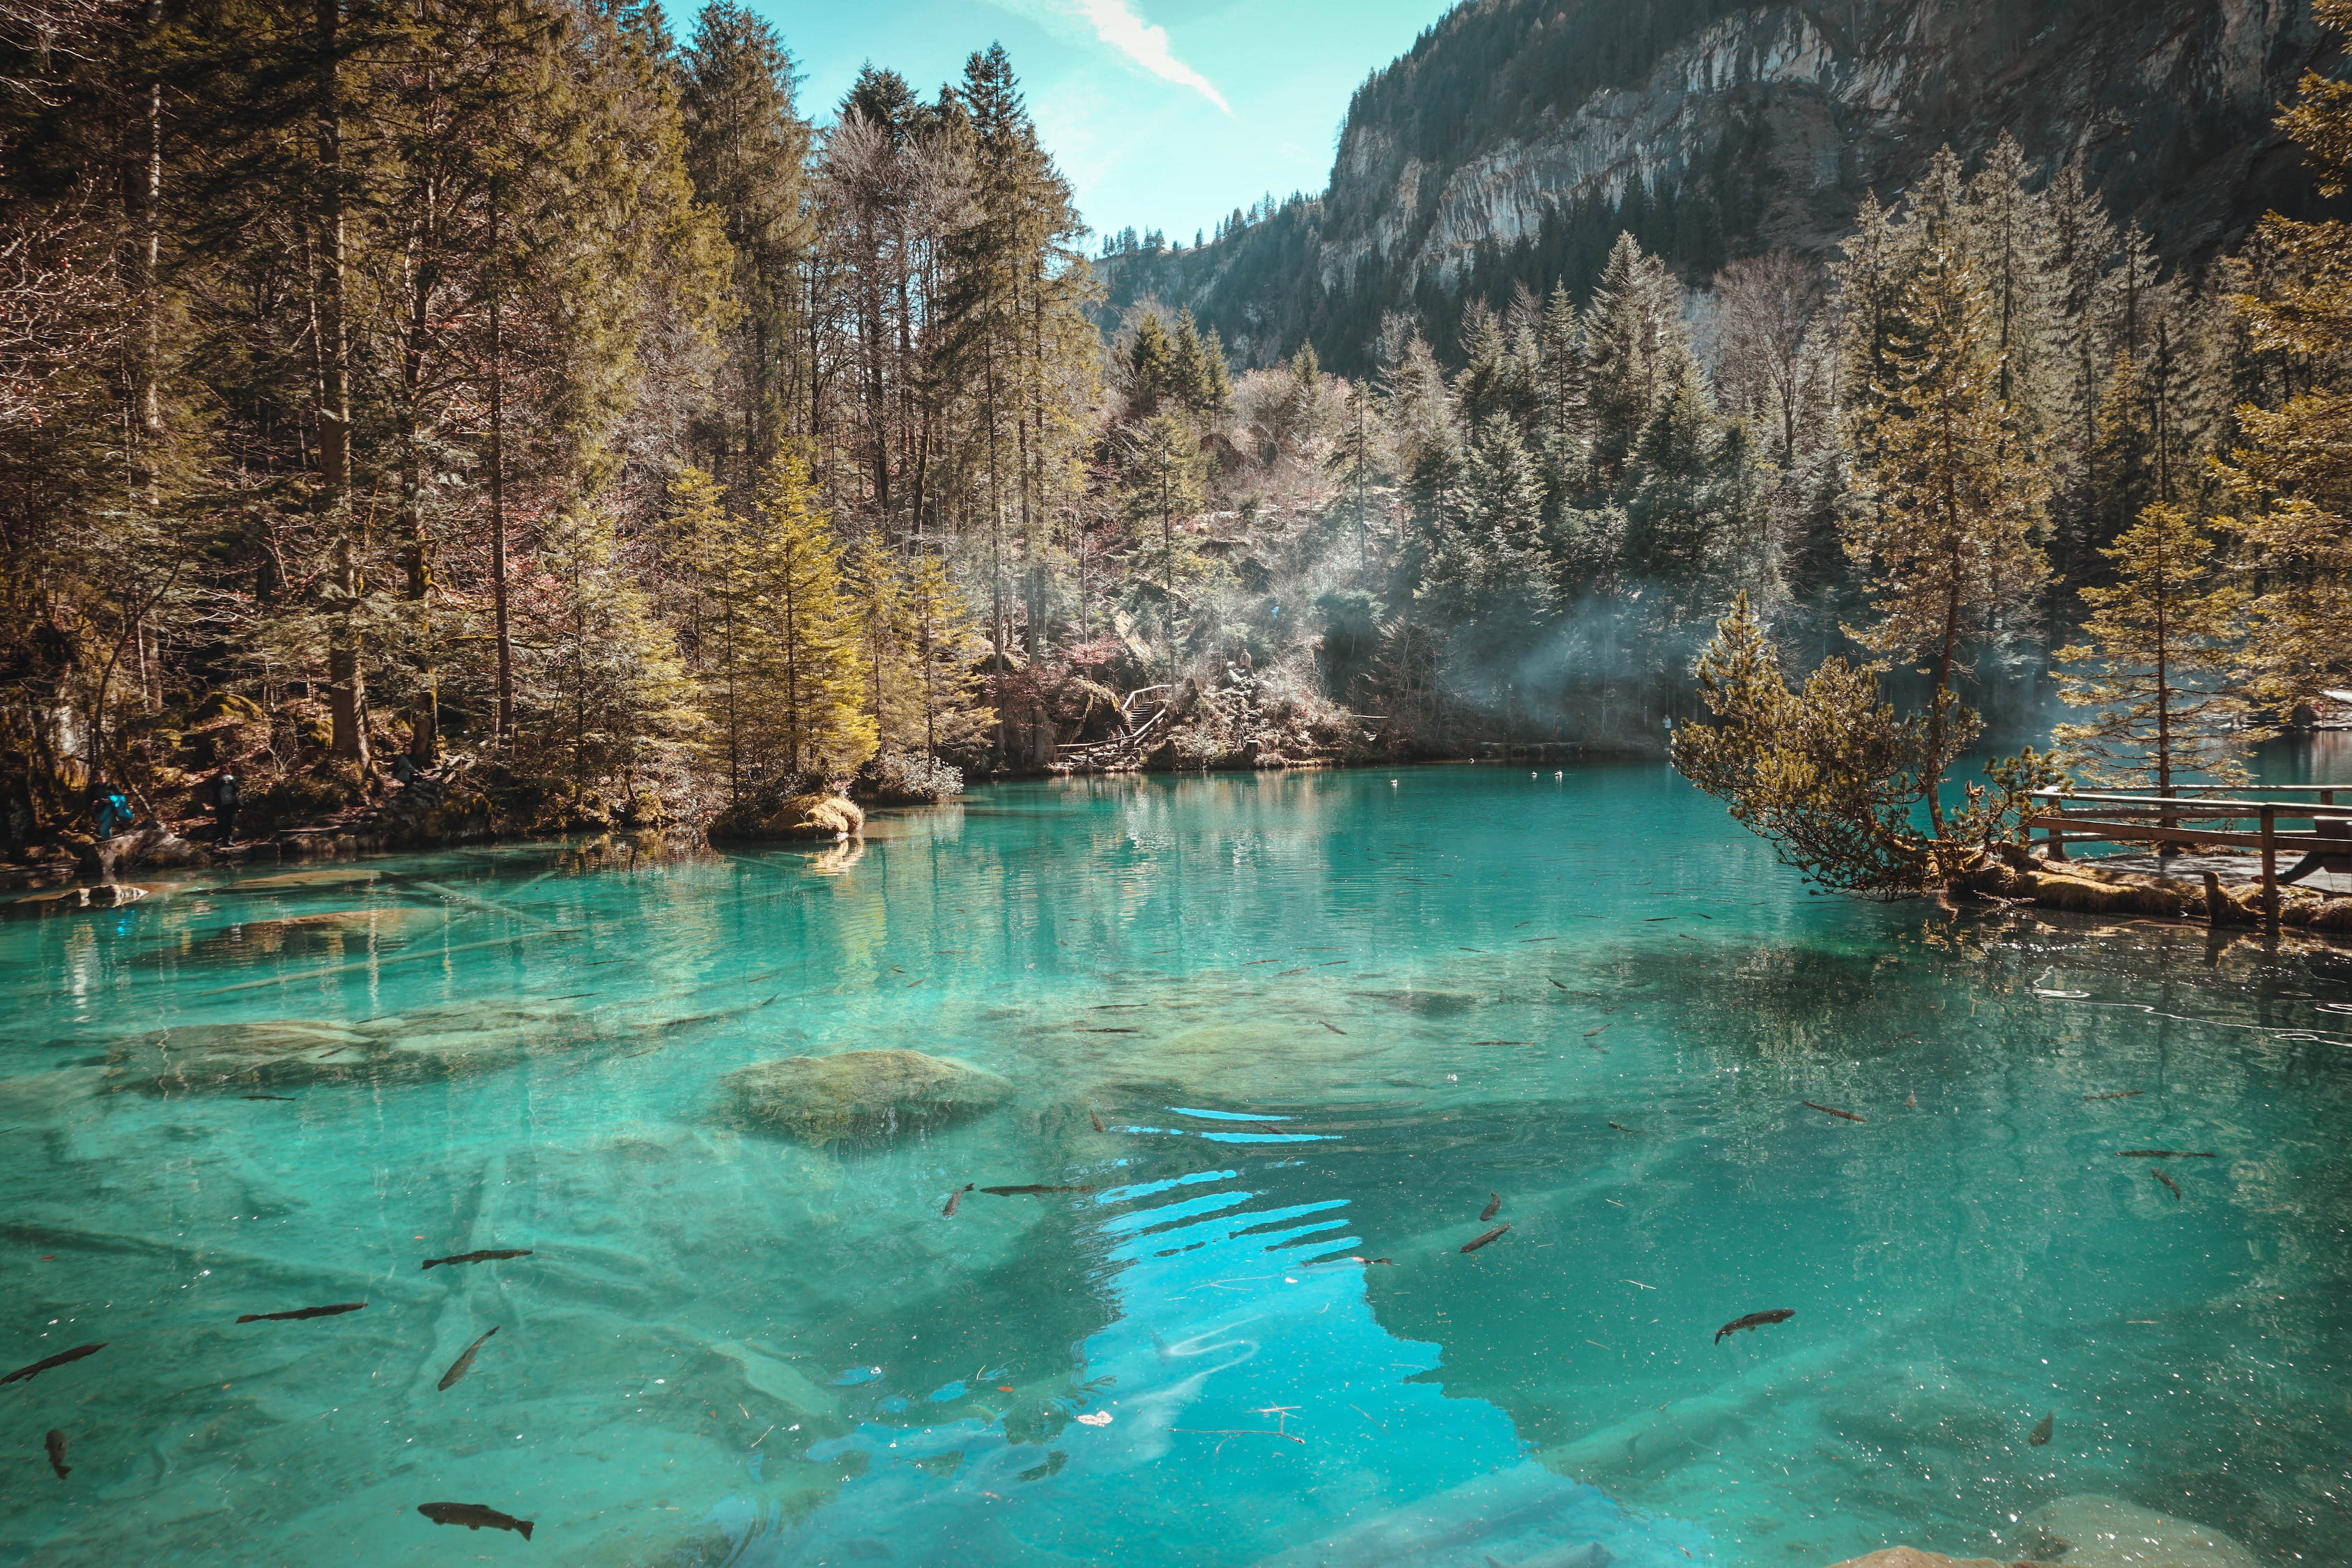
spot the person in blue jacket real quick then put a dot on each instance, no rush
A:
(111, 813)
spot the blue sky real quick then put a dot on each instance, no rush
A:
(1164, 114)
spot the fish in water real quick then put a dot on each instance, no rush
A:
(1832, 1111)
(57, 1447)
(1333, 1027)
(1755, 1320)
(1911, 1100)
(954, 1198)
(2170, 1184)
(1493, 1206)
(473, 1516)
(479, 1257)
(286, 1098)
(1475, 1242)
(301, 1312)
(38, 1367)
(1028, 1189)
(1096, 1117)
(2119, 1094)
(1368, 1262)
(2163, 1155)
(2041, 1430)
(457, 1368)
(1622, 1128)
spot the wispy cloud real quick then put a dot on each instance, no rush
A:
(1117, 23)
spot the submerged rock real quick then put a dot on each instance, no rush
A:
(2092, 1532)
(855, 1093)
(287, 1053)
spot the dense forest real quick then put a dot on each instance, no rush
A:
(517, 403)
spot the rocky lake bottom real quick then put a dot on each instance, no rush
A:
(1255, 1058)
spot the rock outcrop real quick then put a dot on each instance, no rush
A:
(861, 1093)
(818, 819)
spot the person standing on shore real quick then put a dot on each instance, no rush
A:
(111, 813)
(223, 796)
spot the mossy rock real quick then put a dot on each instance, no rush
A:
(813, 818)
(861, 1093)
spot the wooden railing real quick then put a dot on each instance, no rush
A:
(2163, 819)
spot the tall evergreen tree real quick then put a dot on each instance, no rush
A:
(1954, 488)
(2158, 662)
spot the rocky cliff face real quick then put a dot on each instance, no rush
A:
(1504, 148)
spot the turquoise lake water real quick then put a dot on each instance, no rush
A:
(1320, 1019)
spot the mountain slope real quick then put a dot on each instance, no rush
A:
(1518, 136)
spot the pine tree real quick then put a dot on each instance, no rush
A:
(608, 692)
(2161, 650)
(747, 149)
(1151, 369)
(1953, 491)
(1165, 474)
(2291, 484)
(942, 639)
(810, 653)
(1635, 348)
(720, 552)
(877, 593)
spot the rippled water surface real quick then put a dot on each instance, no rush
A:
(1269, 1028)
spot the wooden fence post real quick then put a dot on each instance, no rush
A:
(2269, 867)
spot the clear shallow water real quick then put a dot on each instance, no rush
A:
(1320, 1017)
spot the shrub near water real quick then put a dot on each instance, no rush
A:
(901, 778)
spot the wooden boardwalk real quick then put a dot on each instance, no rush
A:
(2238, 824)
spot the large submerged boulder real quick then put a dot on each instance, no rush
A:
(2092, 1532)
(427, 1045)
(860, 1093)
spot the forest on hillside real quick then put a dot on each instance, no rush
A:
(522, 387)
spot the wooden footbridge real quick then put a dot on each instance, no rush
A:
(2236, 822)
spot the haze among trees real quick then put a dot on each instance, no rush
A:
(527, 381)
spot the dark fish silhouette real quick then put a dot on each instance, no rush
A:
(1096, 1117)
(477, 1256)
(954, 1198)
(1493, 1206)
(1333, 1027)
(2170, 1185)
(38, 1367)
(1475, 1242)
(2164, 1155)
(301, 1312)
(2041, 1430)
(1030, 1188)
(457, 1368)
(1367, 1262)
(1622, 1128)
(2119, 1094)
(286, 1098)
(1755, 1320)
(473, 1516)
(1832, 1111)
(57, 1447)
